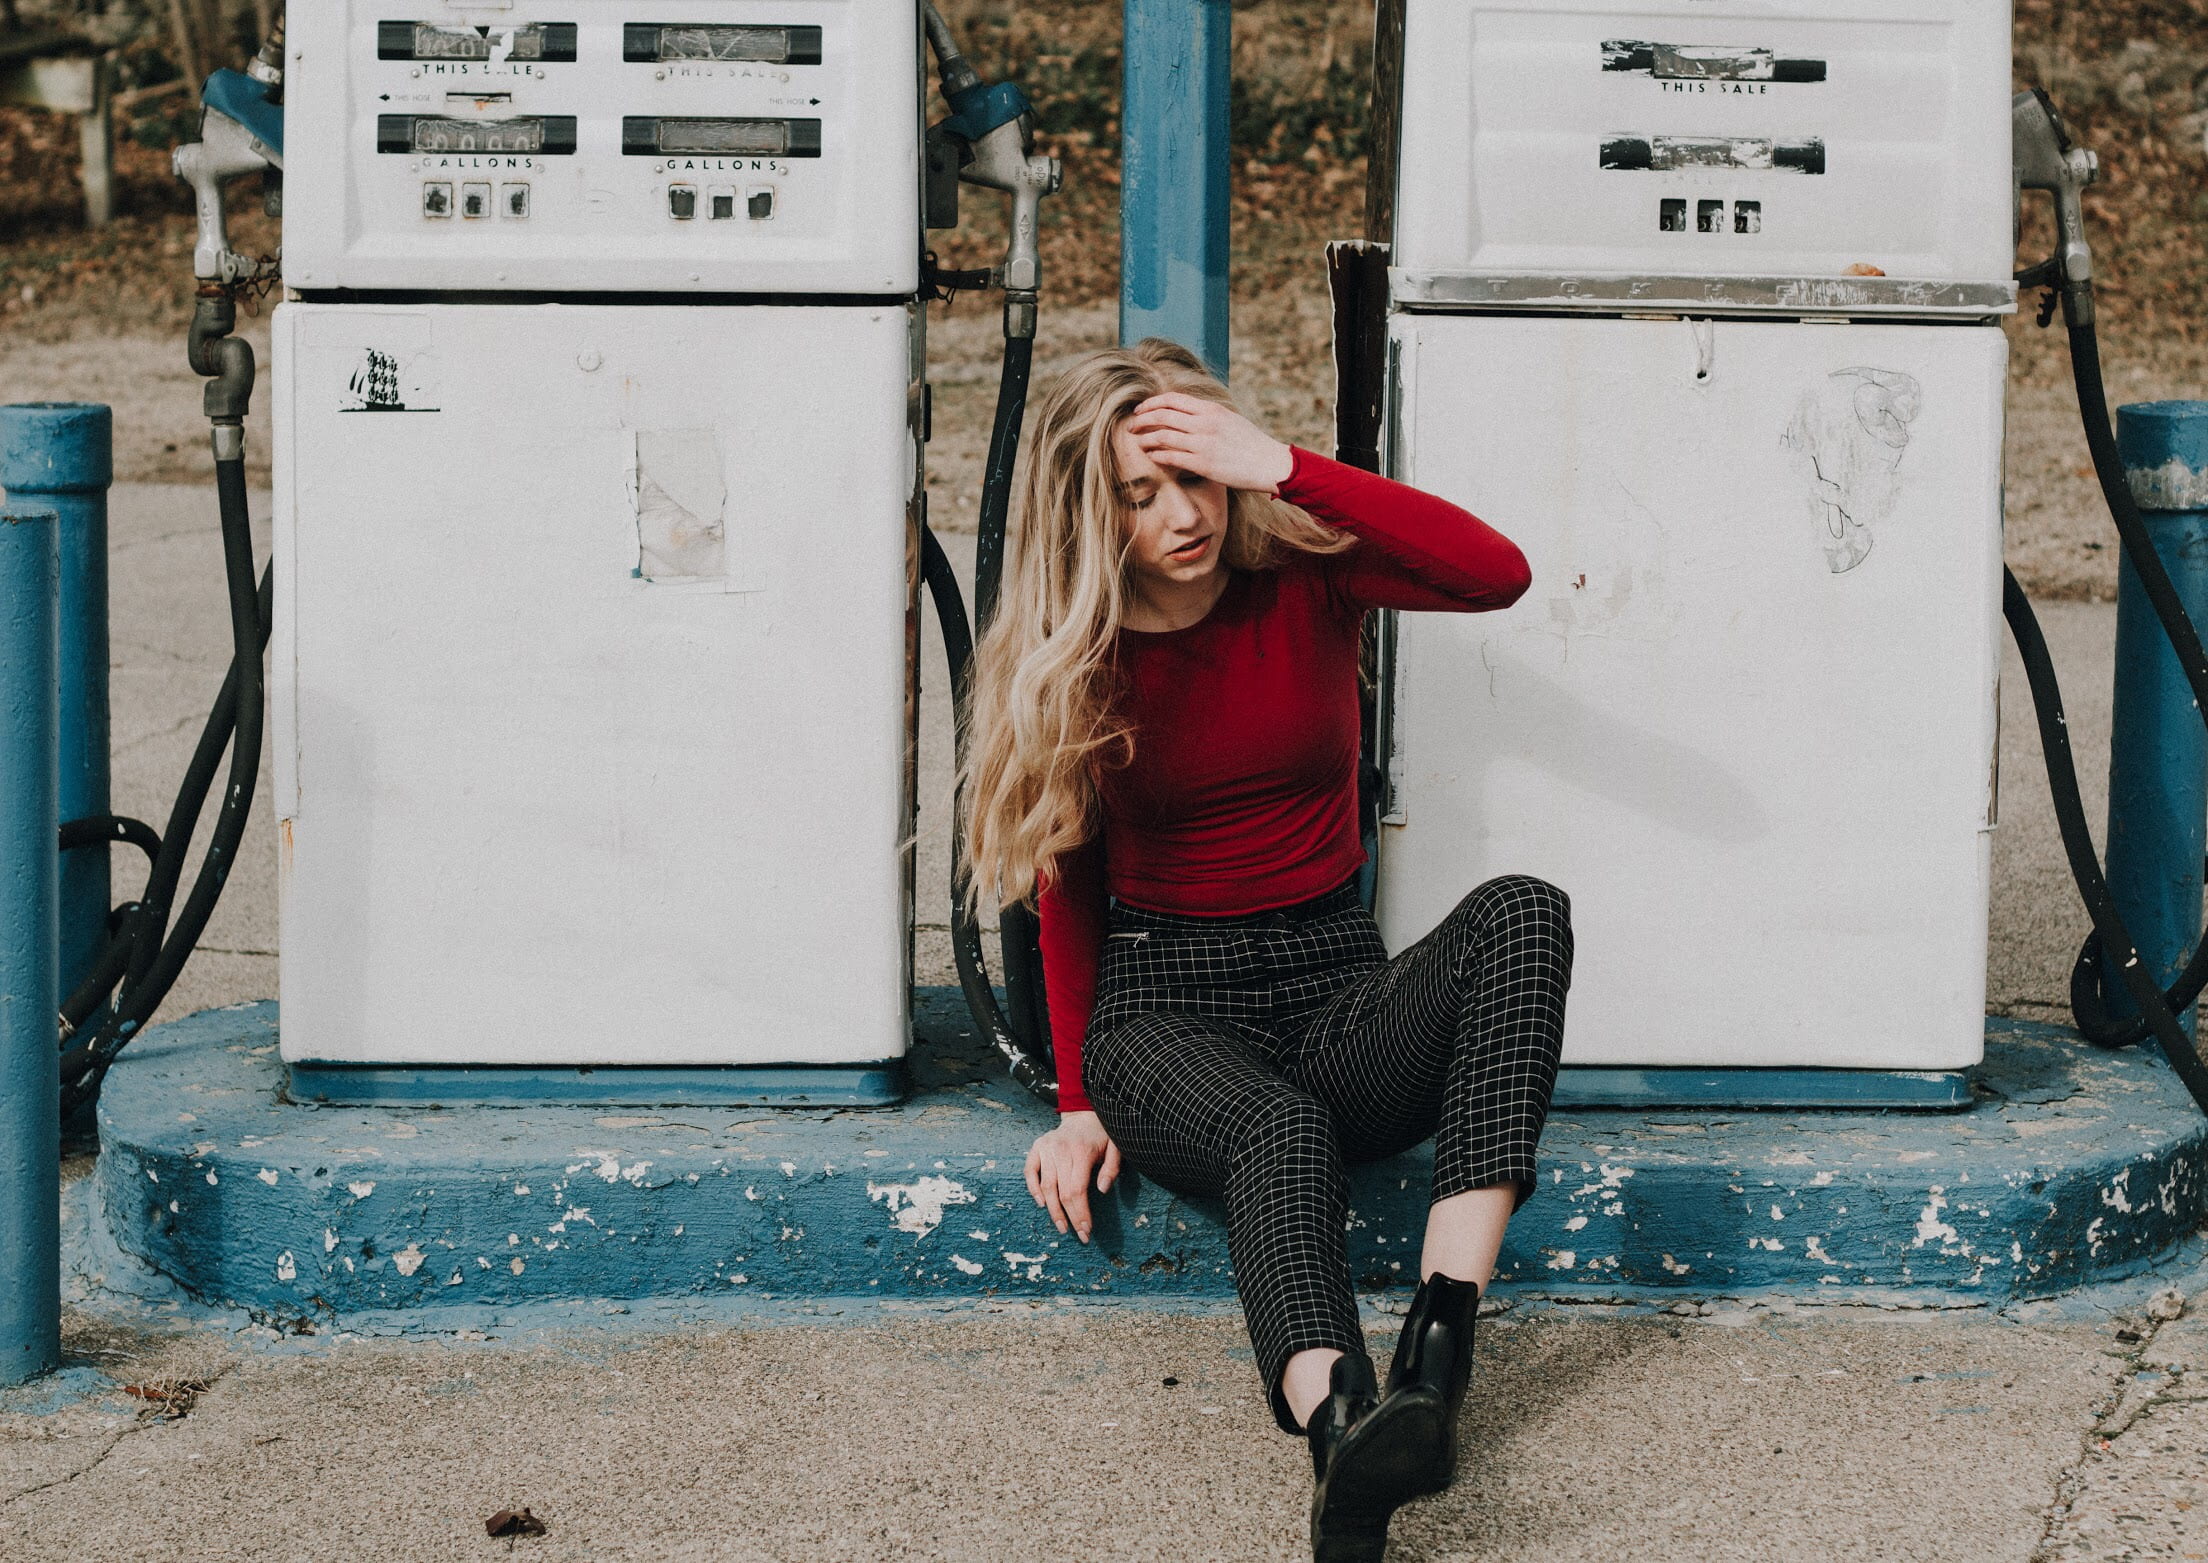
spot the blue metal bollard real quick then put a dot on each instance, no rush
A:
(58, 456)
(2158, 749)
(1173, 187)
(30, 1067)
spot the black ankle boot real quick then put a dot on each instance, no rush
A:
(1368, 1456)
(1435, 1356)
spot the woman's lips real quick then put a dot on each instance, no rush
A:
(1191, 551)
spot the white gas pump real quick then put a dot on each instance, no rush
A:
(598, 420)
(1700, 305)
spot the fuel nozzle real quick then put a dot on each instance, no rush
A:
(241, 131)
(2047, 159)
(994, 130)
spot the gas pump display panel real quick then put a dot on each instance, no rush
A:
(1745, 716)
(590, 715)
(1852, 156)
(606, 146)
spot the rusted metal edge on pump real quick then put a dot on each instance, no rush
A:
(879, 1084)
(1609, 294)
(1631, 1088)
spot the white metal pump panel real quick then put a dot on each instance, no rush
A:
(589, 682)
(728, 146)
(1718, 138)
(1745, 715)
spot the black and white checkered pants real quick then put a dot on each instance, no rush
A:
(1252, 1057)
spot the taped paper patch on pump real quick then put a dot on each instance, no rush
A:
(680, 498)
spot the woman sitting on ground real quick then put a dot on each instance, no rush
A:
(1166, 729)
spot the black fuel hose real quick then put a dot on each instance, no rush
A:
(97, 830)
(1023, 1036)
(966, 951)
(1019, 932)
(2158, 1011)
(2087, 1002)
(996, 479)
(2077, 840)
(136, 920)
(155, 950)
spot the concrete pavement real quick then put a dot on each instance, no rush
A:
(994, 1430)
(1054, 1432)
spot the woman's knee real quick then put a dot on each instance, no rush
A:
(1287, 1126)
(1518, 900)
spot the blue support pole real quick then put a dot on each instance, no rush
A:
(2158, 749)
(30, 1065)
(1173, 175)
(59, 456)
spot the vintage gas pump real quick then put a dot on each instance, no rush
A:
(598, 419)
(1703, 310)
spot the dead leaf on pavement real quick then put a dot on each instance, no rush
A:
(169, 1399)
(514, 1522)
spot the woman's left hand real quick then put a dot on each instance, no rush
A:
(1212, 440)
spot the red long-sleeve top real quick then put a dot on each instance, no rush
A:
(1241, 795)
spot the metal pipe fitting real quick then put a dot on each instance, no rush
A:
(230, 392)
(267, 67)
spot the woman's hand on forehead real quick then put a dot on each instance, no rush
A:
(1210, 439)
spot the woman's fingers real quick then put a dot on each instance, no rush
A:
(1073, 1190)
(1051, 1200)
(1162, 418)
(1179, 401)
(1109, 1174)
(1173, 440)
(1034, 1171)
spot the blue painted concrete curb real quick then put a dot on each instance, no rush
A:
(2076, 1166)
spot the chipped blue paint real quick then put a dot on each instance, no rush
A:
(1174, 181)
(59, 456)
(30, 1071)
(2075, 1166)
(2158, 755)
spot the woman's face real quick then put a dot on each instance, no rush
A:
(1176, 522)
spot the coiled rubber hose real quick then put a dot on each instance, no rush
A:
(134, 973)
(1023, 1036)
(2158, 1011)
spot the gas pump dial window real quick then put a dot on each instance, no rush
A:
(553, 135)
(668, 42)
(645, 135)
(539, 41)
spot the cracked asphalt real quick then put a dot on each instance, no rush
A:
(1750, 1432)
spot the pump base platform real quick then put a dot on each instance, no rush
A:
(2072, 1166)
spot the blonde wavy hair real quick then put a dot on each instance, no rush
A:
(1040, 720)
